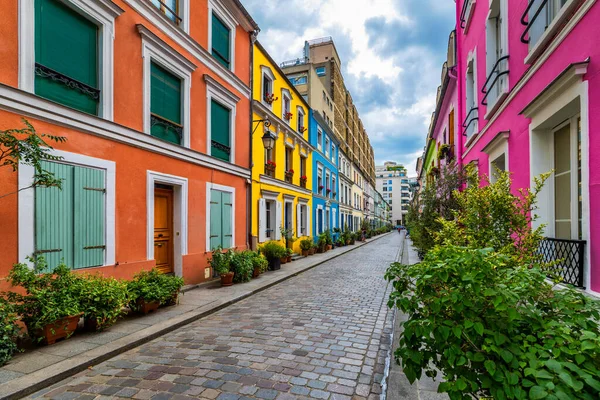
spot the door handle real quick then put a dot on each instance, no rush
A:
(160, 235)
(158, 244)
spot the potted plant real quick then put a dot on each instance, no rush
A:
(289, 253)
(328, 240)
(220, 262)
(260, 264)
(270, 98)
(312, 250)
(274, 252)
(147, 291)
(321, 243)
(242, 266)
(270, 166)
(49, 308)
(305, 246)
(102, 300)
(303, 180)
(9, 331)
(302, 129)
(287, 115)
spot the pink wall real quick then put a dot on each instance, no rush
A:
(576, 47)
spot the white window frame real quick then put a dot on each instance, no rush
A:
(286, 95)
(103, 13)
(156, 50)
(266, 71)
(497, 147)
(319, 229)
(300, 118)
(216, 7)
(473, 93)
(327, 147)
(502, 83)
(26, 203)
(306, 216)
(216, 91)
(332, 152)
(319, 138)
(227, 189)
(469, 14)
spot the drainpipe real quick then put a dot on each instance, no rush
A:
(253, 36)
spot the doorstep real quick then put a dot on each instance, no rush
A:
(38, 368)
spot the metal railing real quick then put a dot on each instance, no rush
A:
(468, 122)
(324, 39)
(294, 62)
(463, 13)
(569, 256)
(496, 74)
(528, 22)
(165, 9)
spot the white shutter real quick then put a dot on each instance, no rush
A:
(334, 218)
(262, 220)
(299, 220)
(277, 226)
(305, 215)
(539, 25)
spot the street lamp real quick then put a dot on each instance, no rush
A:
(268, 138)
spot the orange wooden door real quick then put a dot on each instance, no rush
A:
(451, 130)
(163, 229)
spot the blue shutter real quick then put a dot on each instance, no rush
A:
(227, 219)
(216, 232)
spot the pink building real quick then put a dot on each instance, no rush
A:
(529, 101)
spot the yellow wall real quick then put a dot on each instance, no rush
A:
(278, 126)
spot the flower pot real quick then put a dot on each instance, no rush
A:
(146, 307)
(289, 258)
(256, 273)
(305, 253)
(227, 279)
(59, 329)
(329, 247)
(274, 264)
(283, 260)
(311, 252)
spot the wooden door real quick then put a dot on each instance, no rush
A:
(163, 229)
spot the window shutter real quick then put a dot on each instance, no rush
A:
(262, 220)
(334, 218)
(54, 217)
(216, 232)
(299, 220)
(227, 220)
(165, 102)
(220, 130)
(89, 196)
(220, 41)
(66, 43)
(277, 226)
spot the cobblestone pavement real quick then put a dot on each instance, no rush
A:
(324, 334)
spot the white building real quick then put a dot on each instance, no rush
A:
(394, 185)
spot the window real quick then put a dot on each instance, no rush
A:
(221, 219)
(319, 138)
(541, 20)
(390, 181)
(286, 106)
(321, 71)
(471, 120)
(66, 57)
(289, 158)
(334, 186)
(326, 147)
(170, 8)
(320, 181)
(288, 215)
(302, 166)
(327, 185)
(302, 219)
(74, 232)
(269, 219)
(327, 215)
(324, 96)
(165, 105)
(267, 87)
(332, 153)
(496, 54)
(221, 39)
(300, 80)
(220, 131)
(269, 214)
(300, 119)
(389, 195)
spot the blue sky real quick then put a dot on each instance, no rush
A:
(392, 53)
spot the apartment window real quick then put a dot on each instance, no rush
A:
(319, 138)
(540, 17)
(324, 96)
(321, 71)
(221, 219)
(269, 219)
(326, 147)
(389, 195)
(221, 42)
(333, 152)
(334, 186)
(496, 54)
(165, 105)
(268, 78)
(301, 80)
(471, 121)
(66, 57)
(327, 185)
(170, 8)
(74, 232)
(220, 131)
(267, 87)
(319, 181)
(302, 220)
(327, 219)
(289, 158)
(300, 119)
(286, 106)
(390, 182)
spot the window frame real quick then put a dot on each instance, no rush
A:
(321, 68)
(299, 118)
(216, 8)
(217, 92)
(103, 13)
(286, 95)
(268, 73)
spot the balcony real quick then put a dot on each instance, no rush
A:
(569, 256)
(496, 83)
(470, 123)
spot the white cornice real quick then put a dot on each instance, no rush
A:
(283, 185)
(158, 19)
(111, 7)
(29, 105)
(174, 55)
(222, 90)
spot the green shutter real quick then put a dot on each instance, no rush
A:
(165, 104)
(220, 131)
(220, 42)
(227, 219)
(67, 43)
(89, 193)
(216, 233)
(54, 217)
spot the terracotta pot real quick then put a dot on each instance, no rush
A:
(329, 247)
(289, 259)
(60, 329)
(173, 300)
(146, 307)
(305, 253)
(311, 252)
(227, 279)
(284, 260)
(256, 272)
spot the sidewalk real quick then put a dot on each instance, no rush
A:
(398, 386)
(38, 368)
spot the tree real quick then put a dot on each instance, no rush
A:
(26, 147)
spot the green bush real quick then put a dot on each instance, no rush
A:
(242, 266)
(306, 244)
(9, 331)
(273, 250)
(220, 261)
(259, 261)
(152, 286)
(102, 299)
(494, 328)
(49, 296)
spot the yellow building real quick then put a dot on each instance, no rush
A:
(281, 175)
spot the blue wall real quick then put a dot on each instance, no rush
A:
(326, 162)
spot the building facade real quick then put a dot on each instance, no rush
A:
(153, 168)
(282, 176)
(325, 175)
(528, 78)
(393, 184)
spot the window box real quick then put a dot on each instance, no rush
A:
(303, 180)
(270, 169)
(287, 115)
(289, 175)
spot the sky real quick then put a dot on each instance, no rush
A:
(392, 53)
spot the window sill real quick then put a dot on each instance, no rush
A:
(555, 26)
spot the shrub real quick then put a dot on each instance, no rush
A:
(220, 261)
(494, 328)
(306, 244)
(152, 286)
(9, 331)
(49, 296)
(328, 238)
(259, 261)
(242, 266)
(273, 250)
(102, 299)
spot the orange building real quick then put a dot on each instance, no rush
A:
(153, 98)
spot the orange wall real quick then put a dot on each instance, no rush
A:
(131, 162)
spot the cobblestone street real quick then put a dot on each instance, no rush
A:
(324, 334)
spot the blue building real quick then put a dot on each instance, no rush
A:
(325, 174)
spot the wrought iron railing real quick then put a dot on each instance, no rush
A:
(494, 77)
(470, 119)
(291, 63)
(568, 256)
(49, 73)
(168, 11)
(528, 21)
(220, 146)
(157, 120)
(463, 14)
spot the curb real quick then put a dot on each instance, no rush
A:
(38, 380)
